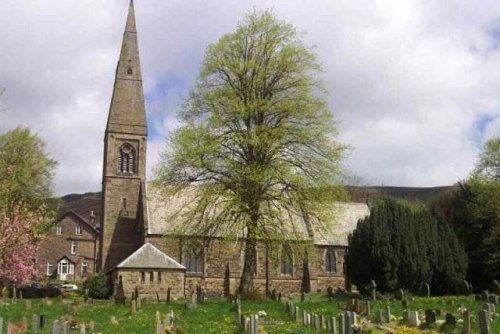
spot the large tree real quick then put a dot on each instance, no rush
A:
(25, 186)
(257, 140)
(488, 165)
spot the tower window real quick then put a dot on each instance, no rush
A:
(126, 159)
(129, 70)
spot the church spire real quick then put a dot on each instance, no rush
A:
(127, 113)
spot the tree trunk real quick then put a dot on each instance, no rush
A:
(246, 282)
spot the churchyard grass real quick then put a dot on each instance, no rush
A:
(219, 316)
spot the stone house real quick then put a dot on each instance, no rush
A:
(138, 240)
(69, 249)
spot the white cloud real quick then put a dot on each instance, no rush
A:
(406, 79)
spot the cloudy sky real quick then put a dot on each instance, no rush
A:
(414, 85)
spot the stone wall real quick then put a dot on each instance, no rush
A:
(151, 285)
(222, 252)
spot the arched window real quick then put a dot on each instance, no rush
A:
(330, 261)
(126, 159)
(286, 260)
(193, 260)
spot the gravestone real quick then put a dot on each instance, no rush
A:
(430, 316)
(35, 323)
(302, 296)
(297, 314)
(138, 302)
(380, 316)
(168, 295)
(333, 325)
(348, 322)
(450, 319)
(170, 317)
(133, 307)
(485, 296)
(56, 327)
(120, 293)
(426, 290)
(342, 323)
(1, 325)
(387, 314)
(44, 320)
(496, 287)
(467, 322)
(373, 288)
(464, 287)
(405, 316)
(399, 294)
(368, 308)
(404, 303)
(82, 328)
(484, 322)
(413, 319)
(273, 294)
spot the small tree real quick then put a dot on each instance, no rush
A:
(25, 186)
(257, 141)
(97, 285)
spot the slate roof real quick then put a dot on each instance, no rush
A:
(163, 210)
(148, 256)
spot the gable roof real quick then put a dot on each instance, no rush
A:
(148, 256)
(164, 211)
(79, 218)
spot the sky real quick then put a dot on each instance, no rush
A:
(413, 85)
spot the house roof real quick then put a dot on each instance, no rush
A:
(78, 217)
(164, 212)
(148, 256)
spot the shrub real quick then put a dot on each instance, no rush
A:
(98, 286)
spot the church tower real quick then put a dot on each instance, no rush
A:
(124, 168)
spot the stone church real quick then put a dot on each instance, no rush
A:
(134, 238)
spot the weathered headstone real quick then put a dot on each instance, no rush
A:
(56, 327)
(387, 313)
(484, 322)
(1, 325)
(405, 316)
(373, 288)
(467, 322)
(44, 320)
(426, 290)
(168, 295)
(342, 323)
(413, 319)
(120, 293)
(464, 287)
(333, 325)
(399, 294)
(450, 319)
(430, 316)
(348, 322)
(28, 304)
(35, 323)
(82, 329)
(404, 303)
(302, 296)
(273, 294)
(297, 314)
(133, 307)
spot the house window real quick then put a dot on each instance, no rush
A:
(126, 159)
(73, 247)
(193, 261)
(50, 269)
(85, 268)
(330, 261)
(65, 268)
(143, 276)
(78, 229)
(286, 261)
(59, 230)
(159, 277)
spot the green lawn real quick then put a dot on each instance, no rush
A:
(219, 316)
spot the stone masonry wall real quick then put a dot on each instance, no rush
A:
(132, 278)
